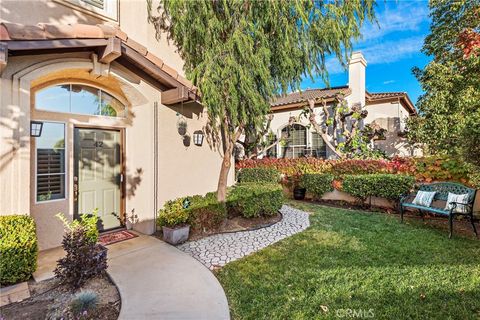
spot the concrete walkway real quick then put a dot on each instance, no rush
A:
(157, 281)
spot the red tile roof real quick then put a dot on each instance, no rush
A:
(376, 97)
(47, 31)
(295, 98)
(303, 96)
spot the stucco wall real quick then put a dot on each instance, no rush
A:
(182, 170)
(132, 19)
(391, 116)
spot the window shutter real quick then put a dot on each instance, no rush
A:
(50, 172)
(96, 3)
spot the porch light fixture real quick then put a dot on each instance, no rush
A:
(36, 128)
(198, 138)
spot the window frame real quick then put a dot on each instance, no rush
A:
(283, 150)
(87, 84)
(65, 131)
(308, 140)
(109, 13)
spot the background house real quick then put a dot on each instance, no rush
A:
(112, 102)
(387, 109)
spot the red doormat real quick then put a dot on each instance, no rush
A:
(117, 236)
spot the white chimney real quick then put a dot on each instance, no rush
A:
(356, 79)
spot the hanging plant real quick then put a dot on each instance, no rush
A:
(182, 126)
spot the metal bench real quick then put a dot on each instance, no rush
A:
(440, 200)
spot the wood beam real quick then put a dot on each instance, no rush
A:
(149, 67)
(3, 56)
(111, 51)
(175, 95)
(26, 45)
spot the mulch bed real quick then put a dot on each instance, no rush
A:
(233, 223)
(461, 226)
(237, 223)
(50, 300)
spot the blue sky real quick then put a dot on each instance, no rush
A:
(391, 49)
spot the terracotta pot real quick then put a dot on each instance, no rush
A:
(176, 235)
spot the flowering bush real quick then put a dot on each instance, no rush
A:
(426, 169)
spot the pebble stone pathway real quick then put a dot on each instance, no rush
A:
(220, 249)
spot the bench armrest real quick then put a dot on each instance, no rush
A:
(405, 196)
(454, 203)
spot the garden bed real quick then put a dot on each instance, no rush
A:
(237, 223)
(50, 300)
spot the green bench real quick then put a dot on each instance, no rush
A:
(440, 200)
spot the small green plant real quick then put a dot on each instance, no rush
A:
(255, 199)
(18, 248)
(87, 221)
(317, 184)
(174, 213)
(83, 303)
(261, 175)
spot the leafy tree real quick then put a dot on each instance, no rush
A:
(241, 53)
(449, 120)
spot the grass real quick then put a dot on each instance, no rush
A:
(350, 264)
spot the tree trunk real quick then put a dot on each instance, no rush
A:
(223, 178)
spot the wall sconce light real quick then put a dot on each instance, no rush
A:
(36, 128)
(198, 138)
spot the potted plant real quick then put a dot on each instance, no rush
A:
(298, 190)
(182, 126)
(173, 220)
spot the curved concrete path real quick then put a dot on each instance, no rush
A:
(158, 281)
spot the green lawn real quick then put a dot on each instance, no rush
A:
(363, 261)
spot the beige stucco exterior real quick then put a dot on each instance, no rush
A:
(179, 169)
(390, 115)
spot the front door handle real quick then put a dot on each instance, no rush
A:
(75, 188)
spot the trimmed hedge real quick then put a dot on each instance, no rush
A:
(206, 212)
(201, 212)
(389, 186)
(18, 248)
(254, 199)
(260, 175)
(317, 184)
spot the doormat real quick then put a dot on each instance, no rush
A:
(117, 236)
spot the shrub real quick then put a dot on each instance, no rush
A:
(174, 213)
(389, 186)
(18, 248)
(317, 184)
(84, 258)
(87, 221)
(83, 302)
(261, 175)
(254, 199)
(201, 212)
(206, 212)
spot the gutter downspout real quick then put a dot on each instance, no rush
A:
(155, 164)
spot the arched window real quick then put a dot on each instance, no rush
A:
(295, 143)
(319, 148)
(79, 99)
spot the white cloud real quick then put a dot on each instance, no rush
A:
(407, 16)
(384, 52)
